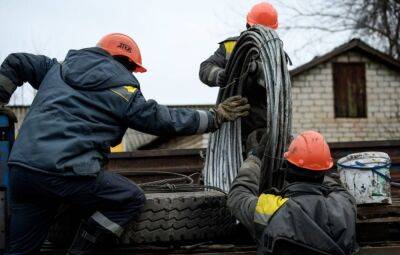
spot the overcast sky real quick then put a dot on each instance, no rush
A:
(174, 36)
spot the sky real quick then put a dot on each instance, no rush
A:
(174, 37)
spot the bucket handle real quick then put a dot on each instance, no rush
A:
(361, 166)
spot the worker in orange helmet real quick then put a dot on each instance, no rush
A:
(311, 214)
(212, 70)
(83, 106)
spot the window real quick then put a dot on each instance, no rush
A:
(349, 90)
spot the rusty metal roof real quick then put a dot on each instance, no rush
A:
(352, 45)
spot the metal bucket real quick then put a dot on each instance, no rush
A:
(366, 176)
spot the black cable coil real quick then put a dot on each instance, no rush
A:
(271, 109)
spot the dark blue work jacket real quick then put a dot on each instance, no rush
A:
(82, 107)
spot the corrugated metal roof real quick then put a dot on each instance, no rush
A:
(185, 142)
(133, 139)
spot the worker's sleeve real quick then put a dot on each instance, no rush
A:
(243, 196)
(210, 68)
(149, 117)
(18, 68)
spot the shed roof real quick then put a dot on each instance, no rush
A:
(353, 45)
(137, 140)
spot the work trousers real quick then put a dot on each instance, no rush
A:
(35, 198)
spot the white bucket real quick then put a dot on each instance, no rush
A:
(366, 176)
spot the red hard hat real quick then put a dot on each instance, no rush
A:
(309, 150)
(122, 45)
(263, 14)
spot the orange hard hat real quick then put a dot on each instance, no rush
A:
(263, 14)
(122, 45)
(309, 150)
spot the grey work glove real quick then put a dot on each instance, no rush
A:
(253, 140)
(222, 78)
(230, 109)
(254, 66)
(255, 143)
(256, 72)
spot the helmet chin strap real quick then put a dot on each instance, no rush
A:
(126, 63)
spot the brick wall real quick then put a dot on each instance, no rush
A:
(313, 105)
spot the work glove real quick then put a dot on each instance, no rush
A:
(255, 143)
(229, 110)
(254, 66)
(222, 78)
(253, 139)
(256, 72)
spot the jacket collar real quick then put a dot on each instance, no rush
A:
(303, 188)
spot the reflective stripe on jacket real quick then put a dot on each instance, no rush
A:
(267, 205)
(317, 218)
(320, 217)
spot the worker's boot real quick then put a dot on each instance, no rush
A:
(85, 240)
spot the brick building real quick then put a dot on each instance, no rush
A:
(349, 94)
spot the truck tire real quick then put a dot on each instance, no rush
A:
(166, 218)
(180, 217)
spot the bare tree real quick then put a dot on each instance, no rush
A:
(375, 21)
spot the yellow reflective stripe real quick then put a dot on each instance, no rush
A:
(229, 45)
(124, 91)
(119, 94)
(130, 89)
(268, 204)
(118, 148)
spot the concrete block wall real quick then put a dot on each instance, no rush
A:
(313, 105)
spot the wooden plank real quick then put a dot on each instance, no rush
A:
(383, 250)
(376, 211)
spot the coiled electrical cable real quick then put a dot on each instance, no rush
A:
(225, 152)
(176, 183)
